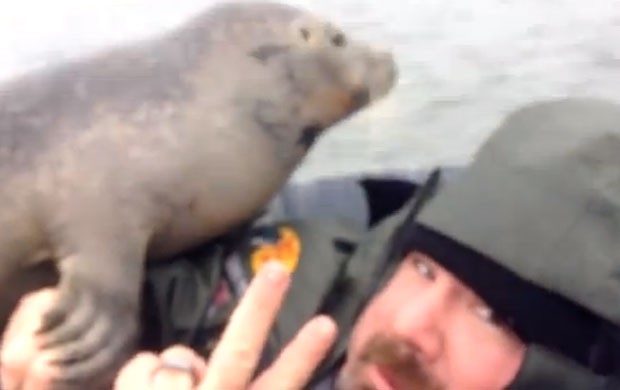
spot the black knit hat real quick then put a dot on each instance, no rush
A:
(537, 315)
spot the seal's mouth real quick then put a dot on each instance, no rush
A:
(360, 98)
(308, 136)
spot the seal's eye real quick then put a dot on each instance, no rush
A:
(339, 40)
(305, 33)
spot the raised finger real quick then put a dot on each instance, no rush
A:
(300, 358)
(233, 361)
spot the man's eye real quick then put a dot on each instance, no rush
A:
(488, 315)
(424, 269)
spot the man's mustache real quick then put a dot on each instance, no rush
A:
(401, 360)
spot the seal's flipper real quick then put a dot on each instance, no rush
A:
(92, 328)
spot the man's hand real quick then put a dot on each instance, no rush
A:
(23, 365)
(232, 363)
(234, 360)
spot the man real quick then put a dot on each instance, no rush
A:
(506, 276)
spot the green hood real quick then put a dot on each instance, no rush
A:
(542, 200)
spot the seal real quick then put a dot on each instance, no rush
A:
(143, 150)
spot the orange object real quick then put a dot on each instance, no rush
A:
(287, 251)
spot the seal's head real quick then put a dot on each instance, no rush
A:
(330, 70)
(299, 74)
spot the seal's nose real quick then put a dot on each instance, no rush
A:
(387, 58)
(383, 67)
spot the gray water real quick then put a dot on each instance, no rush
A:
(463, 64)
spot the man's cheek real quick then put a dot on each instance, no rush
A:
(370, 323)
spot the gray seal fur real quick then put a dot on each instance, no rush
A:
(147, 149)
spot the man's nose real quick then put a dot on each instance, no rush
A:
(420, 321)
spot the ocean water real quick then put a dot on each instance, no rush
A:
(463, 64)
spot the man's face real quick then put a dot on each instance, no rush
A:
(427, 330)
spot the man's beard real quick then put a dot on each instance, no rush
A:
(398, 358)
